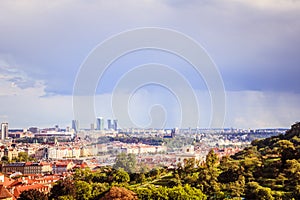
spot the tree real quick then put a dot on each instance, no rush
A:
(185, 192)
(62, 188)
(137, 178)
(83, 190)
(120, 176)
(23, 157)
(32, 195)
(83, 174)
(208, 175)
(160, 193)
(66, 197)
(292, 172)
(286, 149)
(154, 173)
(145, 193)
(228, 176)
(256, 192)
(126, 161)
(101, 176)
(119, 193)
(5, 159)
(98, 189)
(212, 159)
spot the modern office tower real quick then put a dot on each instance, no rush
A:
(115, 126)
(4, 131)
(100, 123)
(109, 124)
(75, 125)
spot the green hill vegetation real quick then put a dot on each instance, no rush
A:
(269, 169)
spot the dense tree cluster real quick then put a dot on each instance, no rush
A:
(269, 169)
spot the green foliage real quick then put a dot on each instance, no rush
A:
(256, 192)
(83, 190)
(23, 157)
(137, 178)
(165, 193)
(126, 161)
(63, 188)
(208, 175)
(120, 176)
(32, 195)
(83, 174)
(144, 193)
(5, 159)
(66, 197)
(98, 189)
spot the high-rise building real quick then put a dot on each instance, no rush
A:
(109, 124)
(100, 123)
(4, 131)
(115, 124)
(75, 125)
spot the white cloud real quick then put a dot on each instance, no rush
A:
(278, 5)
(24, 103)
(15, 82)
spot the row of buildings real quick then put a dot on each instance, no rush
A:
(74, 150)
(111, 124)
(27, 168)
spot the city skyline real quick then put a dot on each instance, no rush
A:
(254, 44)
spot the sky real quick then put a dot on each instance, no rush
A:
(254, 44)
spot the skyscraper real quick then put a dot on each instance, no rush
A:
(75, 125)
(115, 124)
(100, 123)
(4, 131)
(109, 124)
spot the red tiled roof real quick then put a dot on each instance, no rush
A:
(18, 190)
(4, 193)
(7, 181)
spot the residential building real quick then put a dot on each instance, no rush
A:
(27, 168)
(62, 167)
